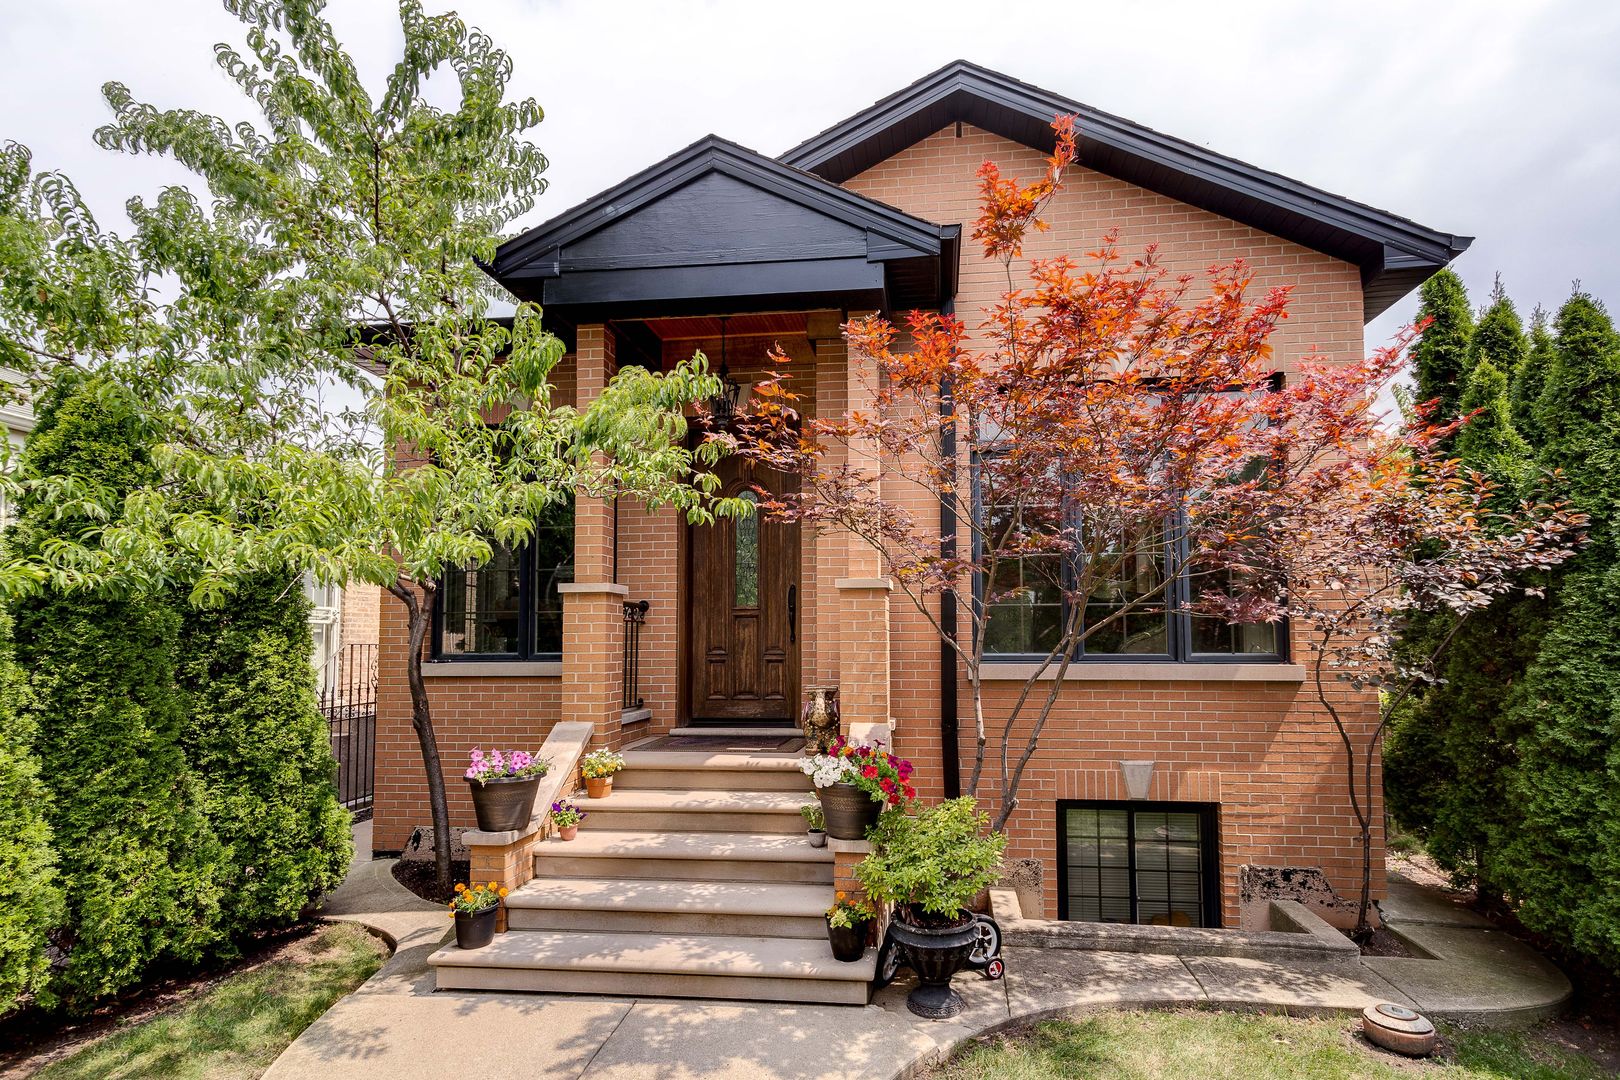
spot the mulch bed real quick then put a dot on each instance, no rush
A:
(1383, 943)
(417, 876)
(30, 1040)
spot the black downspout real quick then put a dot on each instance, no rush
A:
(950, 750)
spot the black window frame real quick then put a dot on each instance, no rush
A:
(1177, 600)
(1209, 862)
(528, 571)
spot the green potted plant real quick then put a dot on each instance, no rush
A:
(566, 816)
(847, 924)
(930, 866)
(504, 784)
(815, 823)
(598, 767)
(475, 908)
(856, 783)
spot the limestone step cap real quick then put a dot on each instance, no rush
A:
(626, 844)
(718, 801)
(686, 897)
(661, 954)
(734, 732)
(695, 759)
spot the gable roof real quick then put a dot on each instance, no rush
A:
(1394, 253)
(717, 220)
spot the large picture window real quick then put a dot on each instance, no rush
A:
(509, 608)
(1138, 862)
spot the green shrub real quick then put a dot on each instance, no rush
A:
(934, 861)
(1441, 356)
(256, 739)
(135, 856)
(30, 901)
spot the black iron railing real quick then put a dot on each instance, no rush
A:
(635, 616)
(349, 702)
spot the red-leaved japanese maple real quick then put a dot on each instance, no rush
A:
(1109, 431)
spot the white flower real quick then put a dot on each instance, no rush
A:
(825, 771)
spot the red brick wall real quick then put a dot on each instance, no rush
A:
(1260, 750)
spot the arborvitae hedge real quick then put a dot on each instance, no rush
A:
(258, 742)
(1441, 355)
(1579, 417)
(1489, 444)
(1526, 383)
(136, 857)
(30, 899)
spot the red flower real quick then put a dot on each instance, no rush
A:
(869, 772)
(886, 785)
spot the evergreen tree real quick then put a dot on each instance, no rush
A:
(1440, 357)
(30, 899)
(1499, 334)
(257, 740)
(1489, 443)
(1526, 382)
(1578, 413)
(136, 857)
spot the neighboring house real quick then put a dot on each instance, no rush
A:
(19, 420)
(722, 249)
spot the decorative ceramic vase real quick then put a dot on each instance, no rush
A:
(598, 787)
(848, 942)
(567, 832)
(476, 929)
(935, 955)
(818, 837)
(849, 811)
(504, 805)
(820, 716)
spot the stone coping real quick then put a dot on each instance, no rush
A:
(562, 748)
(598, 588)
(519, 669)
(1169, 671)
(1298, 934)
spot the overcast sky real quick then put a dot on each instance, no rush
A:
(1497, 120)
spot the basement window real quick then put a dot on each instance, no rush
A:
(1138, 862)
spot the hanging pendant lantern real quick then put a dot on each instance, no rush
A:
(723, 406)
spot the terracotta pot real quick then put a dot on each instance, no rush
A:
(504, 805)
(599, 787)
(818, 837)
(849, 811)
(567, 832)
(935, 954)
(476, 929)
(848, 942)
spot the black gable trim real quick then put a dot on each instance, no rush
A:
(1394, 253)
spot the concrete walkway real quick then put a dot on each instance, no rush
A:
(396, 1028)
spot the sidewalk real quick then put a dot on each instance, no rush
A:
(396, 1028)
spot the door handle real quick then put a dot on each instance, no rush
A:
(793, 614)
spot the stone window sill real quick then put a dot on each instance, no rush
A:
(1166, 672)
(511, 669)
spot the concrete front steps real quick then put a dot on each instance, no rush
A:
(693, 879)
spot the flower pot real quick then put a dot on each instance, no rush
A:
(504, 805)
(476, 929)
(567, 832)
(599, 787)
(849, 811)
(848, 942)
(818, 837)
(935, 954)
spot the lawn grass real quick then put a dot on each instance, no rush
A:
(1242, 1046)
(236, 1028)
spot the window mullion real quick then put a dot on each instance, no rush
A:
(526, 556)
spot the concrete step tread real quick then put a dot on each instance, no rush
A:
(617, 844)
(686, 897)
(786, 733)
(691, 759)
(661, 954)
(718, 801)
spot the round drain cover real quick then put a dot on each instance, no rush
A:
(1397, 1028)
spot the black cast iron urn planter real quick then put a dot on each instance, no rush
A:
(849, 811)
(505, 804)
(935, 954)
(476, 929)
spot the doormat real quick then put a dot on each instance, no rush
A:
(770, 744)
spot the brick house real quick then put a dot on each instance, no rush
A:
(722, 249)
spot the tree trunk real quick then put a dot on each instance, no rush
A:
(420, 610)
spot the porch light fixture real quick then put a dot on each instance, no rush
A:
(723, 406)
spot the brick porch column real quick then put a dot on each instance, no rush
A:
(593, 603)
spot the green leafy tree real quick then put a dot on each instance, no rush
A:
(1440, 357)
(258, 743)
(1527, 381)
(338, 253)
(136, 857)
(30, 898)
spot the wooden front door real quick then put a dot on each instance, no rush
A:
(743, 634)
